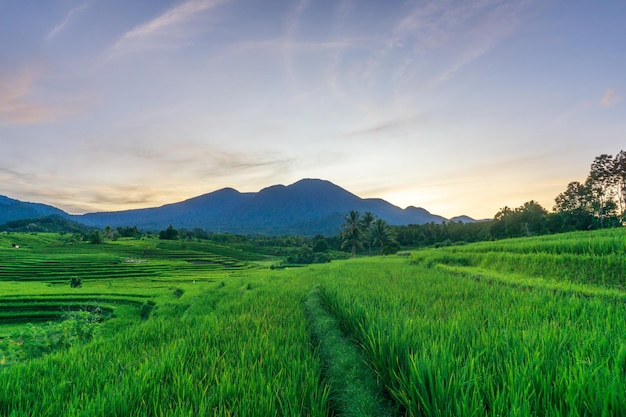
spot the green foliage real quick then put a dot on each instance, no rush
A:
(52, 223)
(600, 201)
(528, 220)
(320, 244)
(168, 234)
(307, 255)
(445, 234)
(446, 344)
(354, 389)
(380, 234)
(96, 238)
(128, 232)
(35, 341)
(526, 327)
(357, 231)
(597, 257)
(352, 232)
(146, 309)
(227, 352)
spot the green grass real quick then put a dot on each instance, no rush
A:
(354, 389)
(444, 345)
(588, 258)
(522, 327)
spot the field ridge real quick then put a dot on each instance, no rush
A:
(354, 389)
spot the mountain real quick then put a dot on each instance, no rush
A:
(307, 207)
(17, 210)
(462, 219)
(202, 211)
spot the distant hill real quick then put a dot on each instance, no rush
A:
(462, 219)
(16, 210)
(53, 223)
(307, 207)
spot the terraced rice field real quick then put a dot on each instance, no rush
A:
(118, 276)
(522, 327)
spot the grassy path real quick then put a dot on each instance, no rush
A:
(354, 390)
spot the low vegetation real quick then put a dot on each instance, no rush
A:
(525, 327)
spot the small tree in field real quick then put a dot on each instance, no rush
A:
(95, 237)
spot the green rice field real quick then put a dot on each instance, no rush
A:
(520, 327)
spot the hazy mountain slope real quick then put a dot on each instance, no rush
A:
(11, 209)
(307, 207)
(203, 211)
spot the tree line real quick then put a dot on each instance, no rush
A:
(358, 232)
(598, 202)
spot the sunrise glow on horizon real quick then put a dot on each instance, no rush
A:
(457, 107)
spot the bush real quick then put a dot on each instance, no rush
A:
(35, 341)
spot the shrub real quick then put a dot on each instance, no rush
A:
(35, 341)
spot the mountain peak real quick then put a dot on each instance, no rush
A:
(311, 181)
(309, 206)
(463, 218)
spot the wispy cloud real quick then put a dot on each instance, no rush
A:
(446, 34)
(68, 18)
(145, 160)
(286, 46)
(123, 195)
(8, 175)
(22, 103)
(610, 98)
(467, 30)
(173, 24)
(387, 127)
(293, 18)
(18, 107)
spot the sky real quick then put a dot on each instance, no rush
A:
(459, 107)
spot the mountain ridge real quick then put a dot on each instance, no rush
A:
(307, 207)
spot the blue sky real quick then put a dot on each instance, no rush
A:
(460, 107)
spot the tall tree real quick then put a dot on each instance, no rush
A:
(381, 234)
(351, 233)
(575, 198)
(366, 223)
(602, 183)
(532, 218)
(619, 171)
(501, 228)
(573, 208)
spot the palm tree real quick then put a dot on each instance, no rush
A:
(351, 232)
(366, 222)
(381, 234)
